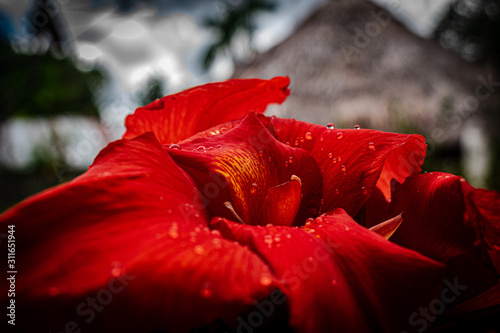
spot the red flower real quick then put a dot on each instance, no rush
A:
(196, 220)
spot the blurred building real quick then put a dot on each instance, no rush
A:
(352, 63)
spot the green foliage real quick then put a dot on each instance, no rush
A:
(154, 89)
(234, 16)
(42, 86)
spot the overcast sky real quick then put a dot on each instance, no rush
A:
(168, 41)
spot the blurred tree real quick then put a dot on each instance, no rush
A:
(472, 29)
(153, 89)
(233, 17)
(41, 86)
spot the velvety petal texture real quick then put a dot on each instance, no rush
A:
(248, 168)
(448, 220)
(176, 117)
(341, 277)
(128, 230)
(354, 161)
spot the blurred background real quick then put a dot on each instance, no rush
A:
(73, 69)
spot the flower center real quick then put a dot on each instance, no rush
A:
(280, 205)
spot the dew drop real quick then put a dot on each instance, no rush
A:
(223, 130)
(319, 219)
(296, 142)
(217, 243)
(215, 233)
(330, 126)
(54, 291)
(364, 190)
(371, 145)
(253, 189)
(347, 229)
(290, 160)
(309, 221)
(286, 163)
(337, 191)
(172, 232)
(309, 136)
(201, 148)
(269, 225)
(322, 201)
(261, 153)
(322, 139)
(357, 127)
(340, 135)
(265, 279)
(277, 238)
(343, 168)
(269, 159)
(198, 249)
(287, 143)
(218, 146)
(301, 139)
(174, 146)
(206, 290)
(268, 239)
(334, 160)
(288, 236)
(116, 271)
(339, 159)
(330, 155)
(334, 282)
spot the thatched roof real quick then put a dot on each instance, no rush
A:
(390, 80)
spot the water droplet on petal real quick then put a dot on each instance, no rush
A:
(277, 238)
(174, 146)
(286, 163)
(319, 219)
(172, 232)
(371, 145)
(322, 139)
(268, 239)
(334, 160)
(201, 148)
(215, 233)
(218, 146)
(357, 127)
(288, 236)
(337, 191)
(287, 143)
(309, 136)
(253, 188)
(330, 126)
(364, 190)
(339, 159)
(347, 229)
(217, 243)
(296, 142)
(330, 155)
(206, 290)
(340, 135)
(198, 249)
(261, 153)
(343, 168)
(290, 160)
(116, 271)
(334, 282)
(223, 130)
(269, 159)
(301, 139)
(265, 279)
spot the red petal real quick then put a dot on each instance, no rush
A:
(242, 165)
(341, 277)
(179, 116)
(353, 161)
(448, 220)
(130, 218)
